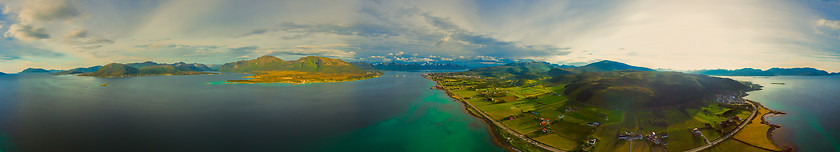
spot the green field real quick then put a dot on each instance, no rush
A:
(529, 100)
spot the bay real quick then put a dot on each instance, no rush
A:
(396, 112)
(811, 104)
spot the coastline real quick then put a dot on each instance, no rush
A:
(497, 138)
(495, 130)
(256, 79)
(773, 127)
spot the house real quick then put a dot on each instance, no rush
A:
(697, 132)
(623, 137)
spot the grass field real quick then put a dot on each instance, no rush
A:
(558, 142)
(733, 145)
(755, 133)
(530, 102)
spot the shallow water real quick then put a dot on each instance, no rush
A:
(812, 104)
(186, 113)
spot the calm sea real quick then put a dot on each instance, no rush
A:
(43, 112)
(812, 104)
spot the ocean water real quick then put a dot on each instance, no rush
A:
(43, 112)
(812, 104)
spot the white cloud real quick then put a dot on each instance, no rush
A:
(828, 23)
(26, 32)
(47, 10)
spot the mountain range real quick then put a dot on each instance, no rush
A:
(142, 69)
(36, 70)
(769, 72)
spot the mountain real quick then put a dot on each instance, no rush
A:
(768, 72)
(393, 66)
(835, 73)
(270, 69)
(142, 64)
(36, 70)
(191, 67)
(364, 65)
(520, 70)
(304, 64)
(645, 88)
(124, 70)
(81, 70)
(1, 73)
(113, 70)
(607, 65)
(180, 66)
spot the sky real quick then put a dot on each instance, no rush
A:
(676, 35)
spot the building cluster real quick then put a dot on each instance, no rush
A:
(731, 121)
(544, 124)
(660, 138)
(729, 99)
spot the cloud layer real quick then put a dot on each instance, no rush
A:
(682, 35)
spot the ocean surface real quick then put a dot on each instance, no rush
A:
(41, 112)
(812, 104)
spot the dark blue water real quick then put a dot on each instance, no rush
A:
(812, 104)
(185, 113)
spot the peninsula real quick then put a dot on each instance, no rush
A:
(606, 106)
(310, 69)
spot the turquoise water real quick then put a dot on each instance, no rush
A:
(186, 113)
(812, 104)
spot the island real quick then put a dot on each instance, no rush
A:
(309, 69)
(609, 106)
(116, 70)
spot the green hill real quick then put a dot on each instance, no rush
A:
(304, 64)
(113, 70)
(519, 70)
(630, 88)
(607, 65)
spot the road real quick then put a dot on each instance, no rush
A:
(721, 139)
(500, 125)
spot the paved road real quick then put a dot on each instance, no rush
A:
(755, 111)
(500, 125)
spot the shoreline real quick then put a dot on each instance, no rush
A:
(497, 138)
(494, 128)
(773, 127)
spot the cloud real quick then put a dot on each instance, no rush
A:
(17, 50)
(47, 10)
(26, 32)
(310, 52)
(82, 39)
(676, 35)
(830, 28)
(320, 46)
(828, 23)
